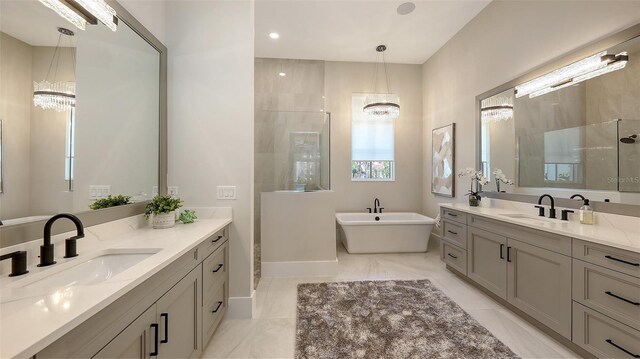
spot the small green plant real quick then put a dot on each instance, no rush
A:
(162, 205)
(111, 201)
(188, 216)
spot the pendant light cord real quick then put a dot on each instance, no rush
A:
(56, 58)
(53, 58)
(375, 73)
(386, 74)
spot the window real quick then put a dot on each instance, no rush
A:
(70, 148)
(372, 145)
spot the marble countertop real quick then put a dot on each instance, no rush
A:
(33, 318)
(612, 230)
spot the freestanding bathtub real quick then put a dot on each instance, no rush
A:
(385, 232)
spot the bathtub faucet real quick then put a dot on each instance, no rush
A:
(376, 206)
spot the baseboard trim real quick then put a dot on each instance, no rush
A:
(242, 307)
(550, 332)
(300, 269)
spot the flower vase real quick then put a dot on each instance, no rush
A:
(164, 220)
(473, 200)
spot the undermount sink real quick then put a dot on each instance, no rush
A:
(526, 216)
(94, 269)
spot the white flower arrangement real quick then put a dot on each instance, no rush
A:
(476, 176)
(501, 177)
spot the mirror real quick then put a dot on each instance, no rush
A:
(581, 136)
(63, 154)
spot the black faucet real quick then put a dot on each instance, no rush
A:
(47, 251)
(578, 196)
(552, 210)
(376, 206)
(18, 262)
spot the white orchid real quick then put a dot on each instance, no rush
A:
(500, 176)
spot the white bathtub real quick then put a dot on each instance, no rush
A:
(391, 233)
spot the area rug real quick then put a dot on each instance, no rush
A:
(388, 319)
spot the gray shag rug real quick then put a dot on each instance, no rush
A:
(388, 319)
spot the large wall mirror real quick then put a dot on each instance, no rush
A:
(105, 137)
(572, 128)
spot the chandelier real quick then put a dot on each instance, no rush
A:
(496, 109)
(52, 95)
(381, 106)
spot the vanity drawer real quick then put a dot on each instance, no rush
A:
(609, 292)
(212, 243)
(213, 310)
(454, 256)
(215, 269)
(603, 336)
(609, 257)
(453, 215)
(455, 232)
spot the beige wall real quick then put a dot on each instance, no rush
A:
(211, 119)
(342, 79)
(506, 40)
(15, 111)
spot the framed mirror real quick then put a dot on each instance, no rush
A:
(84, 118)
(572, 126)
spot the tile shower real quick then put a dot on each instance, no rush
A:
(291, 132)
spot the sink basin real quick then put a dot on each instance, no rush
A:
(526, 216)
(94, 269)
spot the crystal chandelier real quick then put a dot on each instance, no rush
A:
(60, 95)
(382, 106)
(496, 109)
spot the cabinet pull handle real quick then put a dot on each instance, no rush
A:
(509, 254)
(624, 299)
(452, 256)
(219, 267)
(217, 239)
(154, 353)
(501, 251)
(623, 261)
(452, 232)
(621, 348)
(166, 327)
(452, 214)
(217, 308)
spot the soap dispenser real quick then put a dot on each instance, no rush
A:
(586, 213)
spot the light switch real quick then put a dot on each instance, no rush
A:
(226, 192)
(99, 191)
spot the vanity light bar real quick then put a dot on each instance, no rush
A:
(81, 12)
(577, 72)
(66, 12)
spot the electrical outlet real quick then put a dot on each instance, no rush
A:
(172, 191)
(97, 192)
(226, 192)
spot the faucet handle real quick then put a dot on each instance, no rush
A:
(369, 208)
(18, 262)
(565, 214)
(540, 211)
(381, 208)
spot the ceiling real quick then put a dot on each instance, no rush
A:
(31, 22)
(350, 30)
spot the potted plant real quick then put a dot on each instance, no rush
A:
(501, 178)
(480, 180)
(163, 209)
(111, 201)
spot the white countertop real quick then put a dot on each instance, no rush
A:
(32, 318)
(612, 230)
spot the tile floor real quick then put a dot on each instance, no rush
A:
(271, 334)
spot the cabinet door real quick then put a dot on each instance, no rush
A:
(136, 341)
(179, 318)
(539, 283)
(486, 263)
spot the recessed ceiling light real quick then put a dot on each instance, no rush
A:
(274, 35)
(406, 8)
(282, 74)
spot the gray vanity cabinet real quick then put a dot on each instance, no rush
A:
(179, 318)
(487, 263)
(539, 284)
(137, 341)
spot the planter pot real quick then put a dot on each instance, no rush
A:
(473, 200)
(164, 220)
